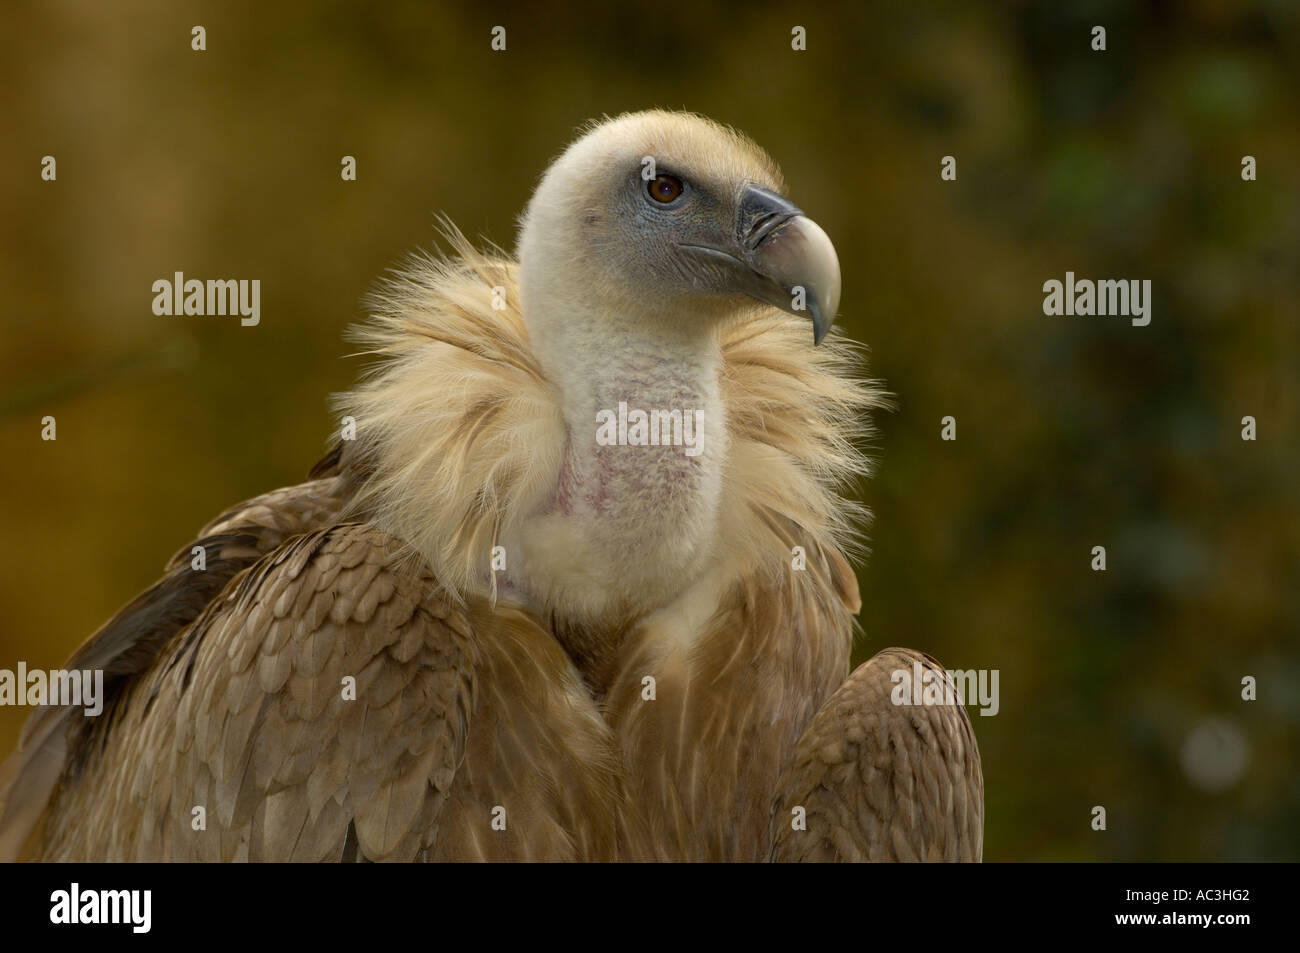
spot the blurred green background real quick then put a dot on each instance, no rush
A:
(1119, 689)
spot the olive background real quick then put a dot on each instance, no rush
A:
(1119, 688)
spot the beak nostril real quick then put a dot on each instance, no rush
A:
(762, 228)
(758, 213)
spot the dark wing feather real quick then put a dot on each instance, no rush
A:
(459, 708)
(245, 715)
(130, 642)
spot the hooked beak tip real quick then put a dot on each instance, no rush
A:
(821, 324)
(802, 259)
(791, 257)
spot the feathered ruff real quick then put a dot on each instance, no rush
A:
(459, 436)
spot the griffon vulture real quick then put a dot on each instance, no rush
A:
(576, 590)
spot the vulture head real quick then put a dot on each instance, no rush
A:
(670, 220)
(652, 234)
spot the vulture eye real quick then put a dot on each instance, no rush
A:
(665, 188)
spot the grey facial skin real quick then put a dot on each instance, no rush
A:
(714, 240)
(774, 250)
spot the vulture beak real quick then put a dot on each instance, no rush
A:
(780, 257)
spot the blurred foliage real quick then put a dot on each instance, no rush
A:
(1072, 432)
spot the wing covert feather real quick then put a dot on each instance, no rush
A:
(130, 642)
(246, 716)
(459, 708)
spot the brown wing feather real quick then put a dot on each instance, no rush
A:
(883, 782)
(131, 641)
(244, 714)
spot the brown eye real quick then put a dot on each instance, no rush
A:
(665, 188)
